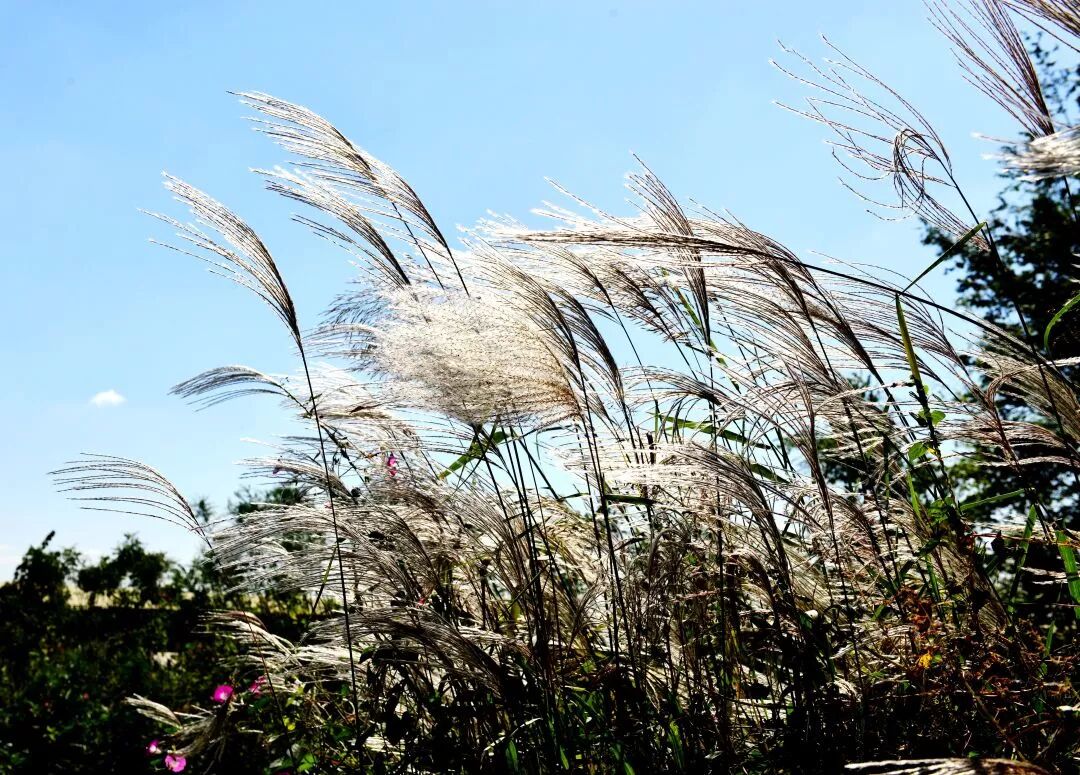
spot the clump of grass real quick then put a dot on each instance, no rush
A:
(648, 493)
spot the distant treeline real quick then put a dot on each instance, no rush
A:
(80, 638)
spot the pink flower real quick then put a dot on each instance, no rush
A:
(175, 763)
(154, 747)
(221, 694)
(258, 684)
(392, 464)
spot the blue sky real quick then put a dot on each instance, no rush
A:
(474, 103)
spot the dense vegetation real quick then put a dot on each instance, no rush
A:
(653, 493)
(80, 638)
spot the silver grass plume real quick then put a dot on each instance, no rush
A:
(111, 483)
(989, 48)
(1063, 16)
(246, 260)
(336, 163)
(895, 143)
(1051, 156)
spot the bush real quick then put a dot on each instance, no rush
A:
(80, 639)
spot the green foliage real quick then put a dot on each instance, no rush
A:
(80, 638)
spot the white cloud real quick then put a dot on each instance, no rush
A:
(108, 398)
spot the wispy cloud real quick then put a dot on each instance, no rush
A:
(107, 398)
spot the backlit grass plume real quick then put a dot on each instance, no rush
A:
(647, 493)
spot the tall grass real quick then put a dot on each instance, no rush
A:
(649, 493)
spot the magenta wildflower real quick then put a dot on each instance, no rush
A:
(392, 464)
(175, 763)
(154, 747)
(222, 693)
(258, 684)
